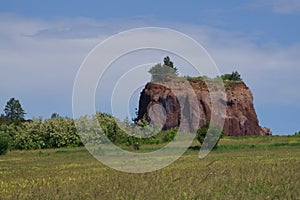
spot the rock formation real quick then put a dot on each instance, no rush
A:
(240, 118)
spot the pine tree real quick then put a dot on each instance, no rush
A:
(13, 110)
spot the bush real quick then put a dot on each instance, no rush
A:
(169, 135)
(212, 133)
(4, 144)
(36, 134)
(159, 72)
(234, 76)
(60, 132)
(28, 135)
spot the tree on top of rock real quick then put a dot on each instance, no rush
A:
(160, 72)
(168, 62)
(234, 76)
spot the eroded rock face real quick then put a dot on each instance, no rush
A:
(240, 118)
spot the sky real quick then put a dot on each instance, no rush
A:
(43, 44)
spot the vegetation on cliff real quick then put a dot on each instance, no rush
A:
(231, 78)
(167, 71)
(159, 72)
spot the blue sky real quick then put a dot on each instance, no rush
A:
(44, 43)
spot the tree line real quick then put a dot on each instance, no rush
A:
(16, 133)
(20, 134)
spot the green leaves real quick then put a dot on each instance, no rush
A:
(212, 135)
(52, 133)
(14, 111)
(60, 132)
(4, 143)
(161, 72)
(234, 76)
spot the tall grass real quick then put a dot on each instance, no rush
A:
(269, 171)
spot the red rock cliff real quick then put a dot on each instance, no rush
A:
(240, 119)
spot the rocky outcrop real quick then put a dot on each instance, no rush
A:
(240, 118)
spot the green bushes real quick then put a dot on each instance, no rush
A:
(212, 135)
(61, 132)
(4, 144)
(140, 134)
(159, 72)
(234, 76)
(52, 133)
(169, 135)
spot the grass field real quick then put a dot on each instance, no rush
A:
(241, 168)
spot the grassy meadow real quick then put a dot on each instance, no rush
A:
(241, 168)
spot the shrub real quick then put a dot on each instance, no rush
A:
(4, 144)
(159, 72)
(60, 132)
(234, 76)
(212, 133)
(169, 135)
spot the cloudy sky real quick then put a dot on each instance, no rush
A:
(44, 43)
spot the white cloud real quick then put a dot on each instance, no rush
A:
(280, 6)
(286, 6)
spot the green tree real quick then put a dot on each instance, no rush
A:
(159, 71)
(168, 62)
(54, 115)
(234, 76)
(212, 133)
(13, 110)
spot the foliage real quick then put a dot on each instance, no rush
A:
(213, 133)
(198, 78)
(160, 72)
(168, 62)
(36, 134)
(4, 144)
(90, 132)
(234, 76)
(60, 132)
(169, 135)
(54, 115)
(111, 129)
(26, 136)
(4, 120)
(13, 110)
